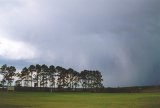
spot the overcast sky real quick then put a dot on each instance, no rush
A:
(121, 38)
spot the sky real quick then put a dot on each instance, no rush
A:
(120, 38)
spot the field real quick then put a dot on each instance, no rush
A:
(79, 100)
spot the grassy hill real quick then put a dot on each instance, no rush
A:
(78, 100)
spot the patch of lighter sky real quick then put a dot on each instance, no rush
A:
(16, 50)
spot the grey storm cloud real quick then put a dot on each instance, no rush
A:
(118, 37)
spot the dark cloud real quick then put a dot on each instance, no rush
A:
(118, 37)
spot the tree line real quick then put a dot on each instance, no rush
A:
(50, 76)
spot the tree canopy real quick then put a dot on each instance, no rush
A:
(50, 76)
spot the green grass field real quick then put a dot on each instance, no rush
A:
(79, 100)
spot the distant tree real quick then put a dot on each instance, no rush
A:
(76, 79)
(72, 78)
(44, 74)
(10, 73)
(31, 69)
(3, 72)
(83, 78)
(61, 76)
(91, 79)
(38, 74)
(52, 75)
(24, 75)
(98, 79)
(67, 77)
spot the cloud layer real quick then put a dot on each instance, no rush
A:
(118, 37)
